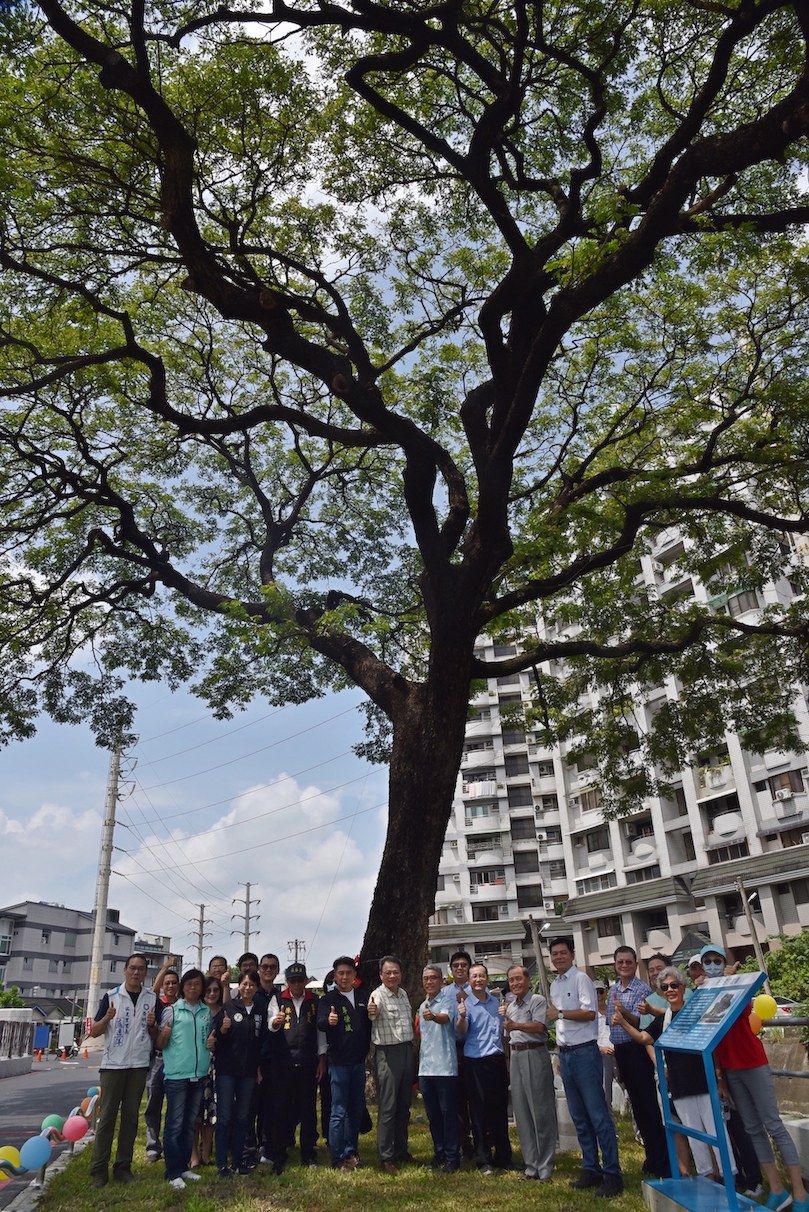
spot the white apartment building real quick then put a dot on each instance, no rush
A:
(527, 835)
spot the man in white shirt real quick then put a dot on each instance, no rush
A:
(575, 1010)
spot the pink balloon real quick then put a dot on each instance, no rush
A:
(75, 1127)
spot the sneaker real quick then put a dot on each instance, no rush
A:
(225, 1172)
(587, 1178)
(195, 1178)
(177, 1184)
(244, 1170)
(776, 1201)
(753, 1192)
(151, 1158)
(264, 1160)
(612, 1185)
(800, 1205)
(486, 1169)
(450, 1167)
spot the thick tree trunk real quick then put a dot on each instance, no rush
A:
(428, 743)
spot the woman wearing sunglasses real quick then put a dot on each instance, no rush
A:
(685, 1072)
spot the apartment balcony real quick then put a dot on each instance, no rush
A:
(477, 757)
(726, 828)
(481, 789)
(502, 890)
(489, 855)
(713, 781)
(552, 850)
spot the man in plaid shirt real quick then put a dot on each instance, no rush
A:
(633, 1062)
(392, 1034)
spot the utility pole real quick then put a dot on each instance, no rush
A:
(751, 925)
(245, 900)
(103, 886)
(541, 973)
(296, 945)
(201, 933)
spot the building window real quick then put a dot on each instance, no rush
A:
(439, 884)
(509, 679)
(525, 861)
(598, 839)
(596, 883)
(113, 965)
(70, 938)
(46, 938)
(513, 736)
(725, 854)
(487, 913)
(67, 965)
(523, 827)
(483, 843)
(516, 763)
(609, 927)
(506, 700)
(800, 891)
(520, 796)
(552, 836)
(643, 874)
(53, 965)
(549, 803)
(487, 875)
(504, 650)
(555, 869)
(473, 811)
(741, 603)
(479, 713)
(5, 944)
(529, 895)
(27, 963)
(793, 837)
(789, 780)
(589, 800)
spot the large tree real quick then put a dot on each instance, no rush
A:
(337, 335)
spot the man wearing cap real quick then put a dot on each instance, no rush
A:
(298, 1057)
(696, 970)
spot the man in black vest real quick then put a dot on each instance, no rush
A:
(298, 1064)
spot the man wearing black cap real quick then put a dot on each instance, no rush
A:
(299, 1063)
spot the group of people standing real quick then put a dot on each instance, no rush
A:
(240, 1071)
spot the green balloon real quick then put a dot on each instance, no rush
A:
(52, 1121)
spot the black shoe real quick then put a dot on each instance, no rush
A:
(244, 1170)
(100, 1180)
(124, 1176)
(225, 1172)
(277, 1168)
(486, 1169)
(612, 1185)
(450, 1167)
(587, 1178)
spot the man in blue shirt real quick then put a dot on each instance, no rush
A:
(438, 1068)
(481, 1027)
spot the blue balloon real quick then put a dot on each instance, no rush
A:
(93, 1090)
(35, 1152)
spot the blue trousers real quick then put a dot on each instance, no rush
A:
(233, 1095)
(183, 1098)
(583, 1078)
(347, 1102)
(440, 1095)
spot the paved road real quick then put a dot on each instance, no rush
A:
(52, 1087)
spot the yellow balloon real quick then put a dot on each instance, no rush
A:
(10, 1154)
(765, 1006)
(755, 1023)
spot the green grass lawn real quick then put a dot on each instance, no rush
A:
(325, 1190)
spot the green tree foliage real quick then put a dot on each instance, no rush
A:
(10, 998)
(787, 967)
(334, 336)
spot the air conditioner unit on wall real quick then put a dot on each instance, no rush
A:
(804, 838)
(549, 906)
(783, 793)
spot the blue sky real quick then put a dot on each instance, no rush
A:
(274, 797)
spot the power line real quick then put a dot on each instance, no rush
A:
(231, 761)
(216, 858)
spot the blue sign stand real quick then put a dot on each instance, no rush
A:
(703, 1021)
